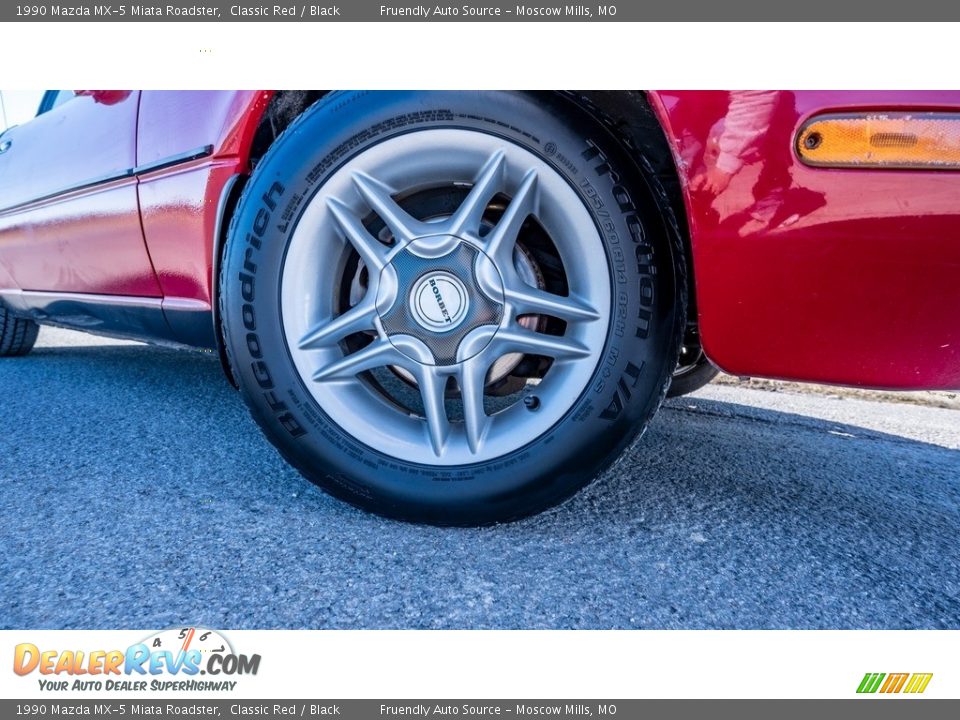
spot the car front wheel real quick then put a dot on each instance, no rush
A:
(452, 308)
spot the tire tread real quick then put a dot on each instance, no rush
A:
(17, 335)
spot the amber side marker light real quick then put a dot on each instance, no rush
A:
(928, 141)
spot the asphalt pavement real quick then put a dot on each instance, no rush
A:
(136, 492)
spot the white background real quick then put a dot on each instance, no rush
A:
(502, 55)
(594, 56)
(494, 664)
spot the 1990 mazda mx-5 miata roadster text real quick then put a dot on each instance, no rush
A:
(459, 307)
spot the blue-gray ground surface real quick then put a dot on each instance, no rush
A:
(135, 491)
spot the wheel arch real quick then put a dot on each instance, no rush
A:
(266, 122)
(634, 116)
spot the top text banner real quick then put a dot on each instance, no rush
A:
(482, 11)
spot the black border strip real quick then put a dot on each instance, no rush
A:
(162, 163)
(195, 154)
(102, 180)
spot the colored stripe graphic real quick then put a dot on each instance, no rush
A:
(894, 682)
(918, 683)
(870, 682)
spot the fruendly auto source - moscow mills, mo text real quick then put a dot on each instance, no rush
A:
(425, 12)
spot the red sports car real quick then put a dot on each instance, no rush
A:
(458, 307)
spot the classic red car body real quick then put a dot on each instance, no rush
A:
(855, 280)
(834, 275)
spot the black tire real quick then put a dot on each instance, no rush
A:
(690, 378)
(647, 277)
(17, 335)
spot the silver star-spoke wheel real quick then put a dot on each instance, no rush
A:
(454, 308)
(403, 317)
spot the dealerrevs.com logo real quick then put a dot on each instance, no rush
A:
(890, 683)
(170, 660)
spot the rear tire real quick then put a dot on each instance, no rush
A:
(17, 335)
(391, 347)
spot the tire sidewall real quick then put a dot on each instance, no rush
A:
(626, 387)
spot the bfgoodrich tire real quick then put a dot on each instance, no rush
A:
(452, 308)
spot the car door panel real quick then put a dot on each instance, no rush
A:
(209, 133)
(69, 215)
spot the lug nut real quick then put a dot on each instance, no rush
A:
(532, 402)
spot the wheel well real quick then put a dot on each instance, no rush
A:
(629, 112)
(285, 106)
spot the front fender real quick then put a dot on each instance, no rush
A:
(844, 276)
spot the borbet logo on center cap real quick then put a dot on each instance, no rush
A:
(439, 296)
(439, 302)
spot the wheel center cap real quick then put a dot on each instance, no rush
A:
(433, 294)
(439, 301)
